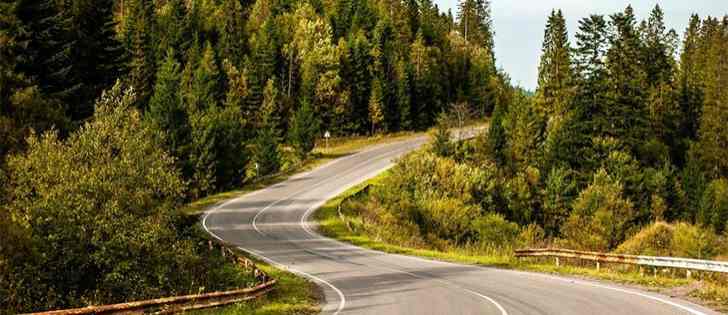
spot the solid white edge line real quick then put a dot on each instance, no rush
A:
(647, 296)
(342, 298)
(306, 226)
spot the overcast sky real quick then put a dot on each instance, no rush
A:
(519, 25)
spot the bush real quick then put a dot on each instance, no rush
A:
(714, 205)
(95, 210)
(494, 230)
(601, 216)
(674, 240)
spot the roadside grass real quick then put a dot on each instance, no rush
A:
(702, 289)
(292, 295)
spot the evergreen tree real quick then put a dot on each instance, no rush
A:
(206, 83)
(139, 39)
(376, 103)
(47, 42)
(269, 114)
(690, 81)
(232, 43)
(404, 103)
(304, 129)
(628, 115)
(166, 111)
(356, 75)
(23, 107)
(475, 22)
(174, 23)
(555, 78)
(555, 89)
(713, 132)
(263, 62)
(657, 56)
(497, 135)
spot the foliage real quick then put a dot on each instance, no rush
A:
(672, 240)
(93, 221)
(303, 130)
(601, 215)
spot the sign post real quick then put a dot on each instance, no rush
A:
(327, 135)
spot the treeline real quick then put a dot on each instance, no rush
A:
(227, 80)
(114, 113)
(619, 134)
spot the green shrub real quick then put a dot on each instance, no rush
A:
(494, 230)
(559, 192)
(675, 240)
(95, 209)
(714, 205)
(601, 215)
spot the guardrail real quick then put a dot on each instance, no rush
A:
(178, 304)
(649, 261)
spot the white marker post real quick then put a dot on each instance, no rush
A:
(327, 135)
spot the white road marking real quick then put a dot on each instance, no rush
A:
(342, 298)
(651, 297)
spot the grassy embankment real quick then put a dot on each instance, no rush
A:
(710, 293)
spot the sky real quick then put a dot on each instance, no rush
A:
(519, 25)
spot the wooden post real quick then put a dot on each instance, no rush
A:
(599, 266)
(689, 274)
(557, 262)
(642, 271)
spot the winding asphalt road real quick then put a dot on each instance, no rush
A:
(273, 224)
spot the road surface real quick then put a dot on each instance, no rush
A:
(273, 224)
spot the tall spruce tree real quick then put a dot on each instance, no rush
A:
(713, 132)
(304, 129)
(232, 43)
(166, 111)
(96, 54)
(555, 78)
(139, 38)
(628, 115)
(690, 81)
(588, 118)
(657, 57)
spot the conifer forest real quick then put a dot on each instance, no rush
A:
(116, 113)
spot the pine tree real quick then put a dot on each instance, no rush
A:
(376, 103)
(304, 129)
(139, 39)
(657, 56)
(269, 114)
(690, 81)
(93, 51)
(47, 42)
(713, 132)
(555, 89)
(357, 76)
(232, 43)
(263, 62)
(266, 156)
(497, 135)
(555, 78)
(166, 111)
(404, 103)
(174, 23)
(206, 83)
(628, 116)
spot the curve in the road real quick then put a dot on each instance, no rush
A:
(273, 225)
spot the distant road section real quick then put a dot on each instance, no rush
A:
(273, 224)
